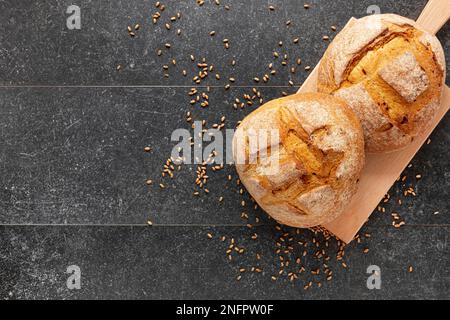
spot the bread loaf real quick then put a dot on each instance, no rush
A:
(308, 174)
(391, 73)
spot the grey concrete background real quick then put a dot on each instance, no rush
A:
(72, 168)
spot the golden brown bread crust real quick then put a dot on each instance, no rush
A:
(391, 73)
(320, 154)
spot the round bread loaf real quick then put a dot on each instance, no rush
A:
(300, 157)
(391, 73)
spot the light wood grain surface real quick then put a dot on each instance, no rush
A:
(435, 14)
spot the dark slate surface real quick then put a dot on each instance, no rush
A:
(82, 161)
(140, 262)
(73, 129)
(38, 49)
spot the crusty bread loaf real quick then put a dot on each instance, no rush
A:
(391, 73)
(306, 176)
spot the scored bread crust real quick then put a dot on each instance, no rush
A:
(320, 154)
(413, 77)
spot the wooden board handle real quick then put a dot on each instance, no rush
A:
(435, 14)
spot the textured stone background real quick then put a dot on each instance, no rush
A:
(72, 168)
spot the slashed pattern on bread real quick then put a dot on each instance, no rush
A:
(386, 62)
(319, 156)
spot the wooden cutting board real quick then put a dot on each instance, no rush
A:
(377, 177)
